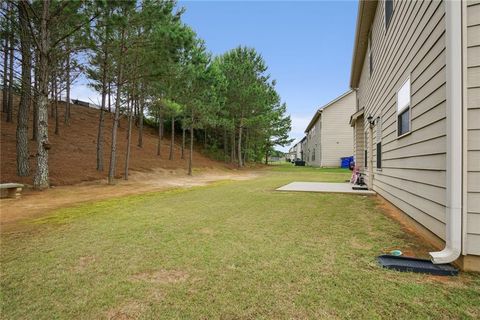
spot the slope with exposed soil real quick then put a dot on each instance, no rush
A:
(72, 158)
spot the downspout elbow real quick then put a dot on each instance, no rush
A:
(447, 255)
(453, 245)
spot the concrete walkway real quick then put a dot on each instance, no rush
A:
(326, 187)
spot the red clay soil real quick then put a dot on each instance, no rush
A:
(33, 204)
(72, 158)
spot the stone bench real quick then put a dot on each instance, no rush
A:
(13, 190)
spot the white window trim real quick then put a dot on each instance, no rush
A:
(409, 107)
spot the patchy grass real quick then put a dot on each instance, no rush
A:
(235, 249)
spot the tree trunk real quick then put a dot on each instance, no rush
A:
(245, 149)
(225, 144)
(5, 75)
(190, 156)
(113, 150)
(35, 99)
(100, 141)
(101, 121)
(239, 152)
(10, 81)
(160, 132)
(159, 143)
(140, 121)
(233, 155)
(52, 97)
(172, 139)
(183, 140)
(109, 95)
(55, 92)
(266, 155)
(129, 140)
(23, 165)
(41, 176)
(67, 71)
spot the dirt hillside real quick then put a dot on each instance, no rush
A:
(72, 157)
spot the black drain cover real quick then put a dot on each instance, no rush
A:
(357, 187)
(409, 264)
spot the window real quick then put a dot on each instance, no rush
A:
(370, 54)
(366, 150)
(388, 12)
(403, 109)
(379, 143)
(313, 155)
(379, 155)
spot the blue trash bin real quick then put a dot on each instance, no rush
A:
(345, 162)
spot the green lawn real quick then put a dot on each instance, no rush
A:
(231, 250)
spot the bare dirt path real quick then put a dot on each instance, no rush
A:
(36, 203)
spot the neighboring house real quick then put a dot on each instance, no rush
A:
(295, 152)
(329, 137)
(298, 151)
(85, 104)
(291, 154)
(303, 147)
(416, 69)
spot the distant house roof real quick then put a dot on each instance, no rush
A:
(366, 13)
(319, 110)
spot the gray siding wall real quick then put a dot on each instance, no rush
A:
(336, 136)
(413, 166)
(473, 127)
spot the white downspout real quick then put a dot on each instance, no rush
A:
(453, 238)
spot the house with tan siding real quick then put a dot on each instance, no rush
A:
(329, 137)
(416, 126)
(295, 152)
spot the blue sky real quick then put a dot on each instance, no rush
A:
(307, 45)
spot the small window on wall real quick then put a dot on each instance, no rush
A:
(313, 155)
(403, 109)
(388, 12)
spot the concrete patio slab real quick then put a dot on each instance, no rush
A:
(326, 187)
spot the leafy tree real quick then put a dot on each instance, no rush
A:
(277, 129)
(248, 91)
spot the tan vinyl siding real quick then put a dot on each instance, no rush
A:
(473, 128)
(336, 133)
(313, 152)
(331, 135)
(359, 143)
(413, 167)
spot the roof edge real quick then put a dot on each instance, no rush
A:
(320, 109)
(365, 16)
